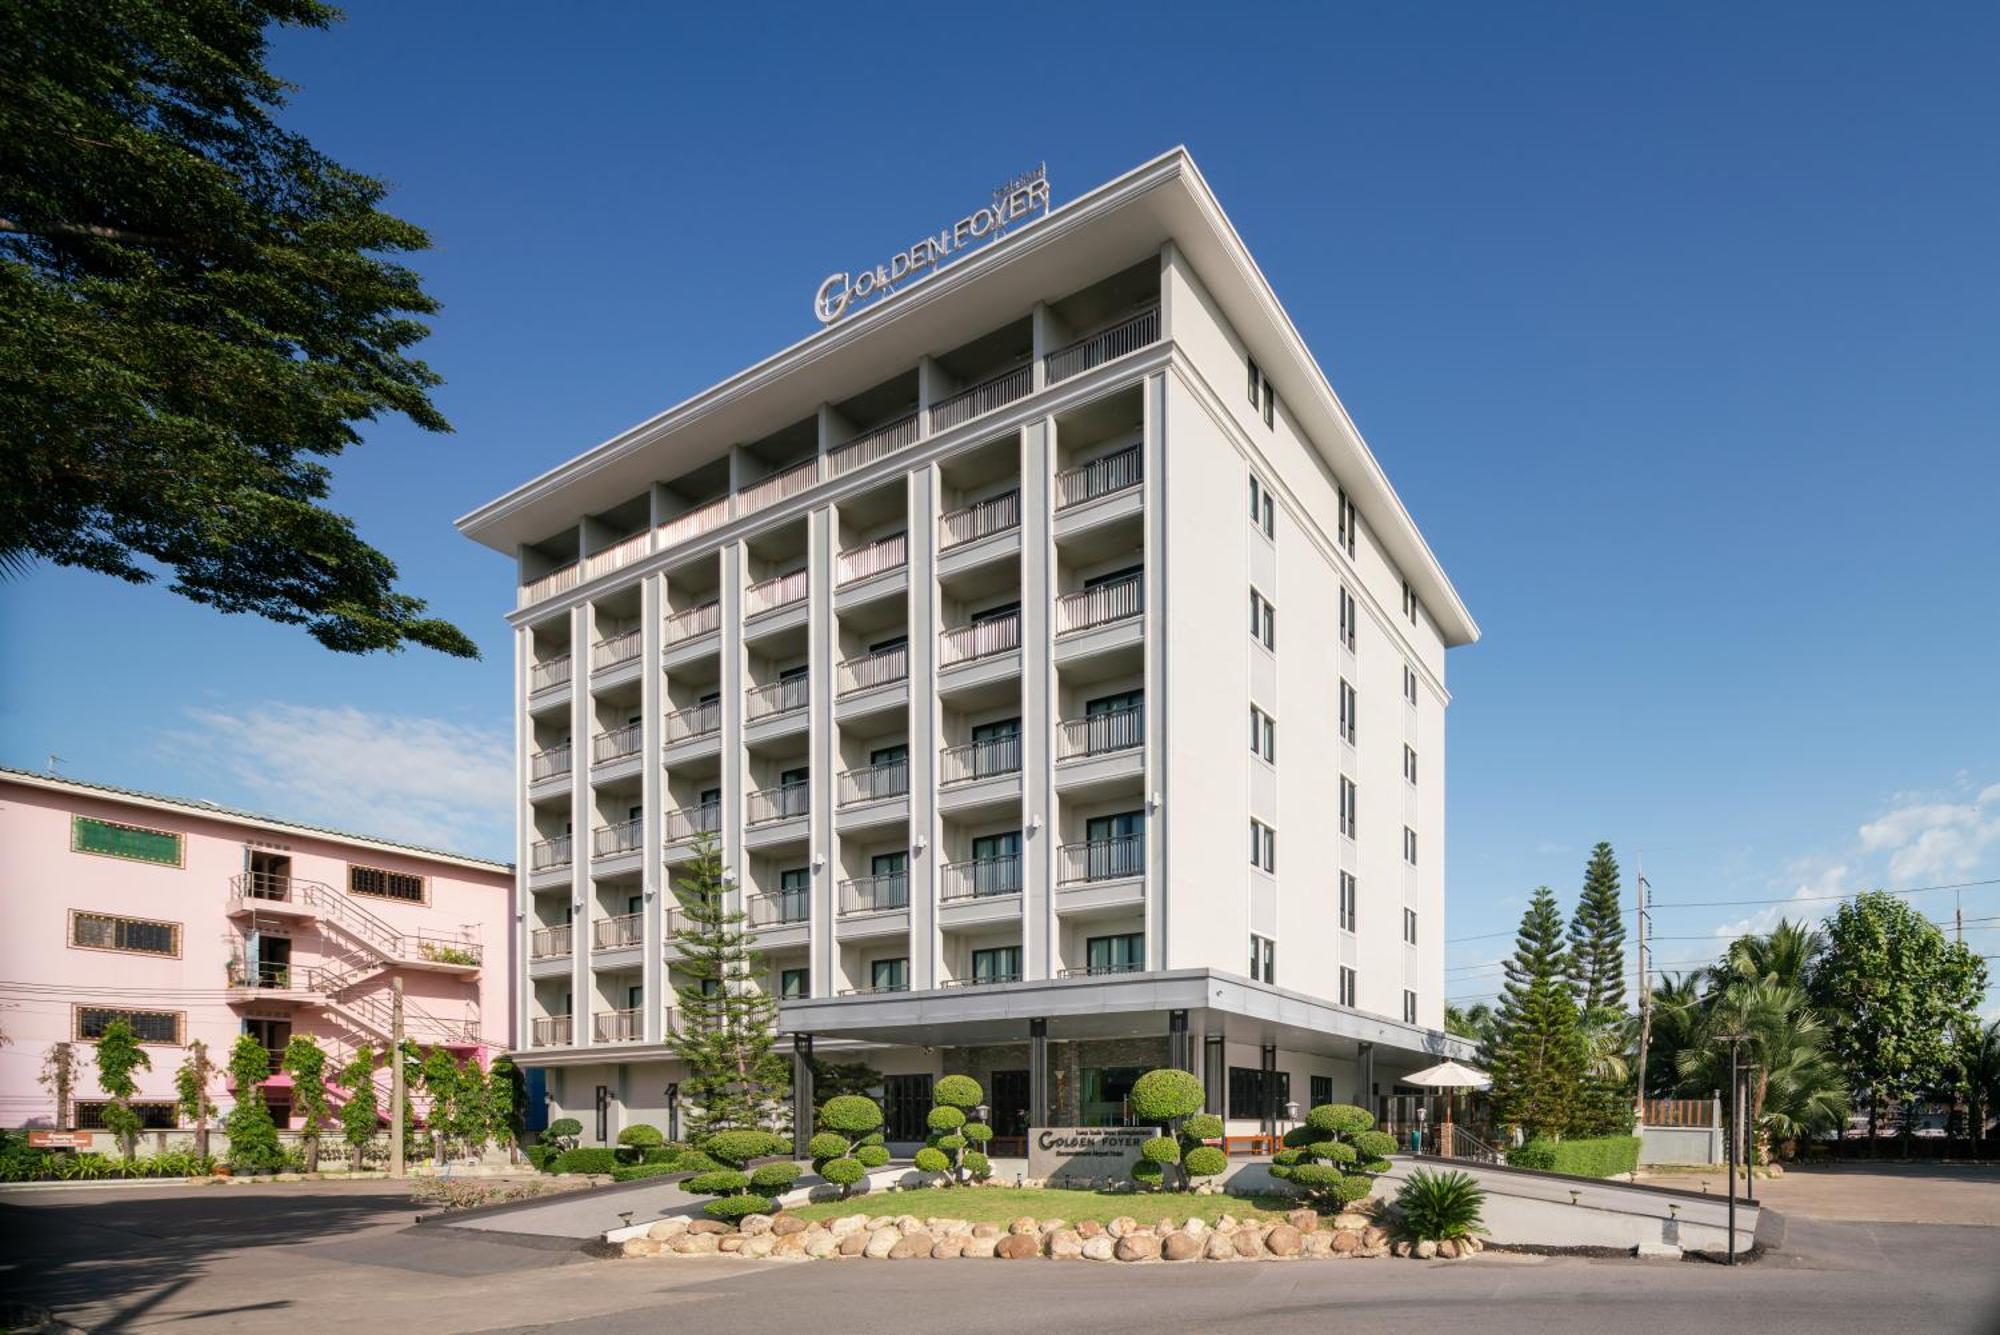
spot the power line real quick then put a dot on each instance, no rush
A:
(1752, 903)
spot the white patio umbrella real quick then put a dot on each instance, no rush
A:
(1449, 1076)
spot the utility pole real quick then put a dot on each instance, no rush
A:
(398, 1095)
(1645, 893)
(1735, 1042)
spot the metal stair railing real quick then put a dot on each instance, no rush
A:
(373, 932)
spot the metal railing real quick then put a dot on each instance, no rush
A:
(553, 1031)
(1099, 970)
(778, 591)
(980, 878)
(872, 894)
(983, 397)
(683, 823)
(697, 620)
(697, 721)
(871, 445)
(548, 854)
(1678, 1112)
(560, 580)
(615, 649)
(858, 563)
(963, 644)
(616, 743)
(780, 697)
(1101, 859)
(608, 841)
(619, 555)
(1102, 605)
(622, 1026)
(550, 763)
(987, 980)
(1099, 477)
(777, 910)
(995, 514)
(872, 783)
(872, 670)
(1109, 344)
(979, 760)
(547, 676)
(619, 933)
(693, 523)
(1099, 734)
(778, 486)
(551, 942)
(781, 803)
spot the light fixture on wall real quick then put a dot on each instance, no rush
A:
(1153, 800)
(1034, 823)
(819, 860)
(922, 842)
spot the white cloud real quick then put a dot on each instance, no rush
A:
(421, 780)
(1811, 879)
(1928, 839)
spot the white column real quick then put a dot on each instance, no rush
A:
(1153, 457)
(580, 730)
(734, 674)
(1038, 712)
(822, 538)
(519, 989)
(652, 693)
(923, 728)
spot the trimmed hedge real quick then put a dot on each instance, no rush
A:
(586, 1161)
(1592, 1156)
(633, 1172)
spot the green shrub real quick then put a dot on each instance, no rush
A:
(1172, 1099)
(563, 1133)
(843, 1173)
(632, 1172)
(1330, 1156)
(1435, 1206)
(849, 1138)
(642, 1136)
(735, 1207)
(739, 1147)
(931, 1159)
(1161, 1149)
(1593, 1156)
(1340, 1119)
(660, 1154)
(1202, 1126)
(951, 1130)
(872, 1156)
(774, 1177)
(586, 1160)
(1205, 1161)
(957, 1091)
(976, 1165)
(944, 1117)
(851, 1115)
(1149, 1173)
(828, 1145)
(1539, 1154)
(976, 1132)
(694, 1161)
(718, 1182)
(1162, 1096)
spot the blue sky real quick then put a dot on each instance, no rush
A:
(1676, 330)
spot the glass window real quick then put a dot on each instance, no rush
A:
(142, 936)
(1116, 954)
(1349, 892)
(1253, 1096)
(1346, 986)
(1409, 1007)
(794, 984)
(1116, 844)
(1410, 926)
(1350, 708)
(153, 1116)
(1348, 824)
(1322, 1090)
(890, 975)
(996, 964)
(147, 1026)
(1104, 1094)
(385, 884)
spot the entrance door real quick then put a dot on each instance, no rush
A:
(1010, 1112)
(906, 1107)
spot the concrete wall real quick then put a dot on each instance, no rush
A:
(1680, 1145)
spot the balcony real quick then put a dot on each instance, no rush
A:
(547, 943)
(981, 519)
(693, 623)
(778, 487)
(686, 824)
(624, 1026)
(878, 557)
(692, 524)
(973, 761)
(1100, 477)
(612, 650)
(1094, 860)
(554, 763)
(619, 933)
(875, 894)
(549, 675)
(779, 591)
(770, 805)
(1105, 345)
(610, 841)
(552, 1031)
(979, 878)
(874, 783)
(871, 445)
(616, 744)
(1101, 734)
(780, 697)
(619, 555)
(982, 398)
(871, 670)
(784, 908)
(1100, 606)
(560, 580)
(549, 854)
(702, 720)
(982, 639)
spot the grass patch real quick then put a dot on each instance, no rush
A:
(1000, 1204)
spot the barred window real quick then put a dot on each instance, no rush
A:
(385, 884)
(147, 1026)
(103, 931)
(152, 1116)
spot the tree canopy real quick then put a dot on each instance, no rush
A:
(1597, 936)
(196, 307)
(1538, 1048)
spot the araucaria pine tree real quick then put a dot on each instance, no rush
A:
(118, 1055)
(305, 1062)
(1538, 1056)
(1597, 937)
(727, 1025)
(191, 1101)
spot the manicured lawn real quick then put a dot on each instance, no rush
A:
(1000, 1204)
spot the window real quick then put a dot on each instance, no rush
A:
(1348, 824)
(1115, 954)
(1409, 1006)
(1258, 1094)
(385, 884)
(1409, 846)
(1263, 845)
(997, 964)
(1270, 404)
(1350, 891)
(1263, 620)
(1410, 605)
(114, 840)
(1256, 384)
(147, 1026)
(1409, 683)
(1263, 959)
(140, 936)
(1349, 709)
(1322, 1090)
(890, 975)
(1409, 762)
(1346, 997)
(794, 984)
(1348, 616)
(1263, 735)
(1410, 926)
(1263, 509)
(153, 1116)
(1349, 521)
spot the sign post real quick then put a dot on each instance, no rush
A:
(1085, 1154)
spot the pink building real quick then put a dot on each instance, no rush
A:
(194, 921)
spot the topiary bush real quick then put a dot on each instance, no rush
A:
(586, 1160)
(726, 1173)
(1435, 1206)
(635, 1140)
(633, 1172)
(562, 1133)
(1331, 1158)
(954, 1135)
(849, 1135)
(1172, 1099)
(872, 1156)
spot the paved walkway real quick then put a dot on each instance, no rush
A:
(1890, 1193)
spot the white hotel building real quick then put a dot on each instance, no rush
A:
(1060, 675)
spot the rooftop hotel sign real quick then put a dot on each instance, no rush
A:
(1017, 199)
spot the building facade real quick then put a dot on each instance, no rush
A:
(196, 922)
(1060, 676)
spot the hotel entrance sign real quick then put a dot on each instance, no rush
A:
(1017, 199)
(1085, 1153)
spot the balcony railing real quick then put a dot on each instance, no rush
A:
(778, 591)
(683, 823)
(547, 676)
(983, 639)
(609, 841)
(780, 697)
(693, 523)
(1100, 734)
(619, 933)
(626, 1026)
(871, 445)
(890, 553)
(781, 803)
(549, 764)
(546, 943)
(1102, 605)
(1105, 345)
(983, 980)
(560, 580)
(616, 743)
(1099, 970)
(615, 649)
(699, 620)
(871, 894)
(779, 486)
(1102, 859)
(548, 854)
(698, 721)
(872, 783)
(995, 514)
(1099, 477)
(553, 1031)
(980, 878)
(979, 760)
(618, 555)
(786, 906)
(983, 397)
(872, 670)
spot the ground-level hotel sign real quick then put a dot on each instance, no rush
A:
(1085, 1153)
(1017, 199)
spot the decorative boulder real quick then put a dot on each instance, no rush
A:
(758, 1244)
(1249, 1242)
(1282, 1240)
(730, 1242)
(854, 1244)
(1089, 1228)
(880, 1241)
(1304, 1220)
(1139, 1246)
(1065, 1244)
(786, 1224)
(821, 1245)
(1374, 1236)
(1195, 1227)
(980, 1246)
(1316, 1244)
(1019, 1246)
(788, 1244)
(986, 1229)
(846, 1224)
(1346, 1240)
(1180, 1247)
(913, 1247)
(1220, 1247)
(1353, 1220)
(754, 1223)
(641, 1247)
(909, 1223)
(1100, 1248)
(692, 1243)
(1426, 1249)
(707, 1226)
(1024, 1225)
(1122, 1225)
(949, 1247)
(666, 1230)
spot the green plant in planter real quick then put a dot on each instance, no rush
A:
(850, 1126)
(1172, 1099)
(1436, 1206)
(1332, 1157)
(738, 1188)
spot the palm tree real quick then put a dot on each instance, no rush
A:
(1784, 956)
(1797, 1089)
(1677, 1016)
(1982, 1077)
(1474, 1022)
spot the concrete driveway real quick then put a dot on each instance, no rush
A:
(1890, 1193)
